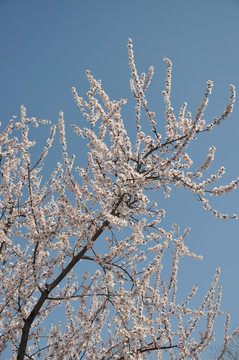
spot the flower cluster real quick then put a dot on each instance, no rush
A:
(89, 240)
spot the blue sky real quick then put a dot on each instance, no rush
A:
(46, 47)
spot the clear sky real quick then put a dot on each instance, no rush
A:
(46, 47)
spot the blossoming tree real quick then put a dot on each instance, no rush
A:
(82, 252)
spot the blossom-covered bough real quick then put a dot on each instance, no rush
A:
(82, 253)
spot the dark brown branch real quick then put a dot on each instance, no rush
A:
(48, 289)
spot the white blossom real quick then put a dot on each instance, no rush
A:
(84, 248)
